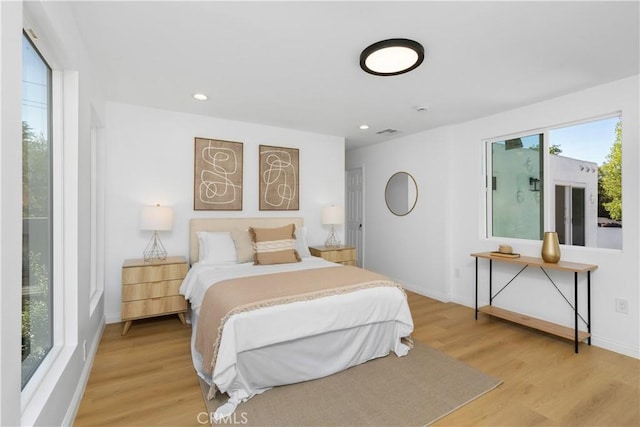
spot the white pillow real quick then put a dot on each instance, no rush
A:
(216, 247)
(301, 242)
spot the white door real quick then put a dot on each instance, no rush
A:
(354, 212)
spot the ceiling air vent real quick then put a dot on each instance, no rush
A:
(388, 131)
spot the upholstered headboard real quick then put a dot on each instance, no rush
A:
(231, 224)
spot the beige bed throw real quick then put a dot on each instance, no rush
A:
(230, 297)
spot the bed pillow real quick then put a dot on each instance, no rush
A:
(301, 242)
(244, 245)
(216, 247)
(274, 245)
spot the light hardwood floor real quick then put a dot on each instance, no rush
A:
(146, 377)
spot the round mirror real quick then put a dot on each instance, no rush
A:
(401, 193)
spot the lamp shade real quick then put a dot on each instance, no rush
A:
(332, 215)
(156, 218)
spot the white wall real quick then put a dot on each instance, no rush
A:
(55, 400)
(150, 157)
(413, 248)
(448, 223)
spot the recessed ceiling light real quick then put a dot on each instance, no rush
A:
(364, 127)
(392, 57)
(200, 96)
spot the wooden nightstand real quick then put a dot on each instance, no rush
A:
(345, 255)
(150, 289)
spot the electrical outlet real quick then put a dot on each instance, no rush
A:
(84, 350)
(622, 305)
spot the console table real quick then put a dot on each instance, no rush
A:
(562, 331)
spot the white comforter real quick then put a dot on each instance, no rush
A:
(378, 315)
(201, 276)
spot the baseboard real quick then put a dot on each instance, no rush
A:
(466, 302)
(616, 347)
(74, 405)
(425, 292)
(112, 318)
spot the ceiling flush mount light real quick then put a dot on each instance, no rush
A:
(392, 57)
(364, 127)
(200, 96)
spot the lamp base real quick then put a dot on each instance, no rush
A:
(155, 250)
(332, 241)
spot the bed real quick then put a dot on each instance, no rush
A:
(302, 328)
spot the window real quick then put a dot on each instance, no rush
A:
(586, 179)
(516, 196)
(566, 179)
(37, 229)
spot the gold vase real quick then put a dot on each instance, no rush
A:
(550, 247)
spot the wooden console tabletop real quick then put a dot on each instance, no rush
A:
(539, 262)
(532, 322)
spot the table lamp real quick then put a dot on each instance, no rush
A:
(332, 215)
(156, 218)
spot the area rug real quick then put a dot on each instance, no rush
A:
(414, 390)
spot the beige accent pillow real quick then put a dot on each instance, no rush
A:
(274, 245)
(244, 245)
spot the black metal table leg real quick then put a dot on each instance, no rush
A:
(490, 282)
(575, 295)
(476, 288)
(589, 306)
